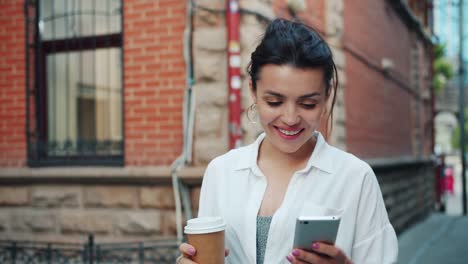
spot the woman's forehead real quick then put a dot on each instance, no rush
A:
(290, 81)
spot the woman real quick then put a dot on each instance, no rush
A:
(290, 170)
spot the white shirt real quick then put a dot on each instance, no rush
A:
(332, 183)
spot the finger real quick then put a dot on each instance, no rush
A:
(226, 252)
(295, 260)
(184, 260)
(309, 257)
(327, 249)
(331, 251)
(187, 249)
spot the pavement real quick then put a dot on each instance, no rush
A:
(442, 237)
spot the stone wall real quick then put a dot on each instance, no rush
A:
(334, 35)
(210, 68)
(408, 188)
(68, 212)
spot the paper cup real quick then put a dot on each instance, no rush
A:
(206, 234)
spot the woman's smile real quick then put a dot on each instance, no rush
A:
(288, 133)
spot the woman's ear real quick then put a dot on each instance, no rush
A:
(252, 92)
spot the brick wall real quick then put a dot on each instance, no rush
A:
(12, 85)
(380, 125)
(154, 80)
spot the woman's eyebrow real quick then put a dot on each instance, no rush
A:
(305, 96)
(274, 94)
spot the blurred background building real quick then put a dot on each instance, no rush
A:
(102, 103)
(447, 107)
(446, 26)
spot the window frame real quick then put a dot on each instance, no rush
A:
(36, 91)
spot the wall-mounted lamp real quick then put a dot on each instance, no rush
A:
(387, 64)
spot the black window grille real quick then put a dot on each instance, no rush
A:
(74, 82)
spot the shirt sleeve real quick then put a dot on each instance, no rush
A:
(208, 202)
(375, 238)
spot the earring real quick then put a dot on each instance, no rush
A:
(252, 113)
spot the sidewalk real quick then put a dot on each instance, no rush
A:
(439, 239)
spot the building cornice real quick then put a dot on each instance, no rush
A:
(413, 23)
(99, 175)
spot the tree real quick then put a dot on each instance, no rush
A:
(443, 69)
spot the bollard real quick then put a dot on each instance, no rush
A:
(141, 253)
(91, 249)
(49, 253)
(13, 253)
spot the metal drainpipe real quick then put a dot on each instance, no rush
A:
(181, 190)
(234, 77)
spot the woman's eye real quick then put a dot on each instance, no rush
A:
(309, 106)
(274, 103)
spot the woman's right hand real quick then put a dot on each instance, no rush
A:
(187, 251)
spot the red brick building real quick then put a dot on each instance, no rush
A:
(92, 98)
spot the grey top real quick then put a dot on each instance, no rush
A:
(263, 226)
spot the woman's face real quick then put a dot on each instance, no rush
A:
(290, 103)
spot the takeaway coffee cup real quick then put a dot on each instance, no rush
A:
(206, 234)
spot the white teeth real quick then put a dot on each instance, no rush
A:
(289, 133)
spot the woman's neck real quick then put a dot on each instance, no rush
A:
(296, 160)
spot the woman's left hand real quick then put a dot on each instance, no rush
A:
(320, 253)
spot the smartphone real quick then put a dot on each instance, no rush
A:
(315, 229)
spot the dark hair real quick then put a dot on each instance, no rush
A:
(293, 43)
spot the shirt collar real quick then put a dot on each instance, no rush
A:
(321, 158)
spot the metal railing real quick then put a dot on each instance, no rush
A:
(19, 252)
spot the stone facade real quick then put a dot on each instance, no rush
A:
(70, 212)
(334, 36)
(210, 57)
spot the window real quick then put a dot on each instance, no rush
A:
(74, 80)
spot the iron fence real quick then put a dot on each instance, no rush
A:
(25, 252)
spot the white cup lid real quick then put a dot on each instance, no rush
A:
(204, 225)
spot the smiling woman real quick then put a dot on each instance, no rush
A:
(290, 171)
(290, 103)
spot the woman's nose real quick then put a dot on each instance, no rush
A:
(291, 117)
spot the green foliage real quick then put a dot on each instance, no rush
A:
(443, 69)
(439, 50)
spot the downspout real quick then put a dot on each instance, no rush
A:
(430, 23)
(234, 76)
(181, 190)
